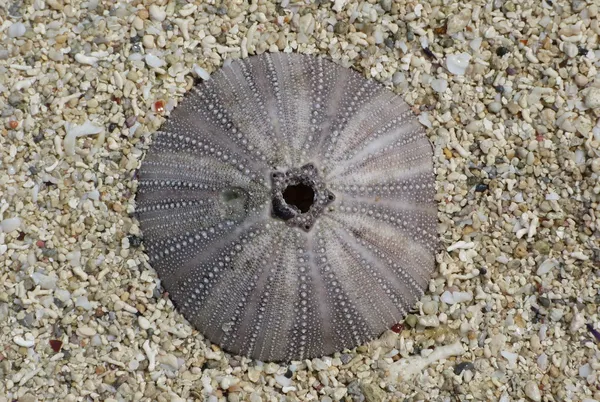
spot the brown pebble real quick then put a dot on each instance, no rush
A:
(521, 249)
(143, 14)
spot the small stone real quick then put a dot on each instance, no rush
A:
(16, 30)
(372, 393)
(501, 51)
(306, 27)
(510, 356)
(546, 266)
(283, 381)
(521, 250)
(27, 398)
(462, 366)
(143, 322)
(533, 391)
(345, 358)
(585, 370)
(341, 28)
(486, 145)
(319, 365)
(339, 393)
(386, 4)
(577, 322)
(271, 368)
(430, 307)
(56, 345)
(542, 247)
(27, 341)
(153, 61)
(581, 80)
(148, 41)
(201, 73)
(497, 342)
(170, 361)
(431, 321)
(570, 49)
(458, 22)
(86, 331)
(508, 7)
(495, 107)
(157, 13)
(411, 320)
(228, 381)
(544, 301)
(10, 225)
(457, 63)
(592, 98)
(456, 297)
(439, 85)
(253, 374)
(556, 314)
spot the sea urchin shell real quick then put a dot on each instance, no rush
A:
(287, 206)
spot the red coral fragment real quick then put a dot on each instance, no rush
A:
(56, 345)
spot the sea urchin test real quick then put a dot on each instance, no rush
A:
(287, 205)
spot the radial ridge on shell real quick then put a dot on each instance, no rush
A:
(287, 206)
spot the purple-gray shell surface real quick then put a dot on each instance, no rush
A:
(287, 205)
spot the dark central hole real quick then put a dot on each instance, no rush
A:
(299, 195)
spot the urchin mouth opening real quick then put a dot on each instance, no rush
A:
(299, 196)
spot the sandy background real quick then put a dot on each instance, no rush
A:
(510, 93)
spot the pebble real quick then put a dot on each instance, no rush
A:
(228, 381)
(585, 371)
(339, 393)
(577, 322)
(439, 85)
(458, 21)
(86, 331)
(462, 366)
(495, 107)
(510, 357)
(546, 266)
(429, 321)
(430, 307)
(411, 320)
(319, 365)
(283, 380)
(253, 374)
(556, 314)
(592, 98)
(458, 63)
(570, 49)
(157, 13)
(10, 225)
(153, 61)
(143, 322)
(581, 80)
(26, 342)
(456, 297)
(532, 391)
(170, 361)
(201, 73)
(16, 30)
(84, 59)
